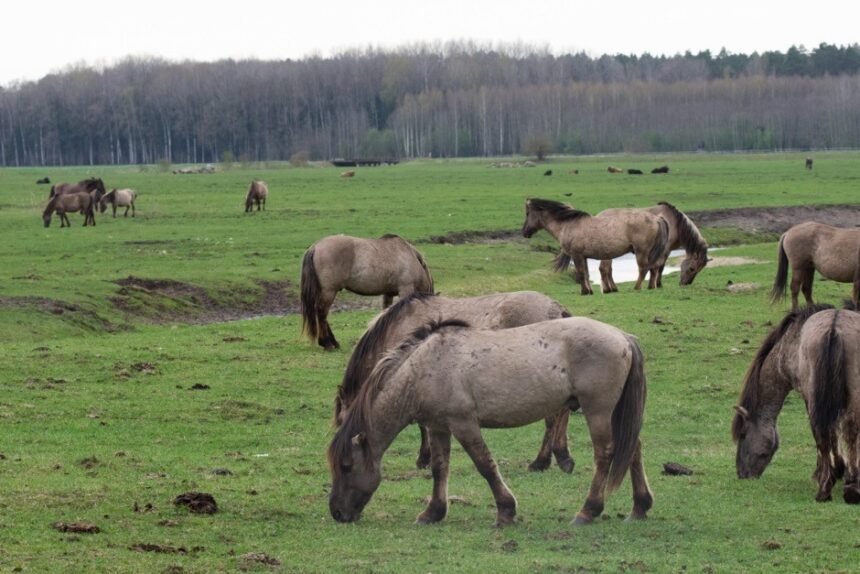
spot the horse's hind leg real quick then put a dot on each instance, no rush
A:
(326, 338)
(606, 275)
(441, 454)
(387, 300)
(127, 207)
(806, 284)
(826, 478)
(132, 209)
(469, 435)
(601, 439)
(559, 442)
(544, 456)
(642, 497)
(851, 433)
(423, 460)
(580, 265)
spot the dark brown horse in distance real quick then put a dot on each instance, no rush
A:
(811, 247)
(66, 202)
(93, 185)
(813, 351)
(388, 266)
(257, 193)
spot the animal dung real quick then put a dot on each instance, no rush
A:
(675, 469)
(197, 502)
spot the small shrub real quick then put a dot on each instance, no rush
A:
(300, 159)
(164, 165)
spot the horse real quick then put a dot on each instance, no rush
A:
(582, 236)
(634, 172)
(93, 185)
(70, 201)
(497, 311)
(810, 247)
(809, 163)
(812, 352)
(257, 193)
(548, 172)
(682, 233)
(43, 180)
(456, 380)
(119, 197)
(350, 173)
(387, 266)
(661, 169)
(612, 169)
(856, 295)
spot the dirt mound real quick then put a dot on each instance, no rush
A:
(74, 314)
(460, 237)
(197, 502)
(777, 219)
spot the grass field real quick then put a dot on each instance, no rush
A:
(98, 414)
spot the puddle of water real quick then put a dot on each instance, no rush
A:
(624, 268)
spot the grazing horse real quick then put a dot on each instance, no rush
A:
(498, 311)
(612, 169)
(634, 172)
(350, 173)
(257, 193)
(813, 352)
(810, 247)
(582, 236)
(119, 198)
(95, 186)
(809, 163)
(682, 233)
(68, 201)
(43, 180)
(455, 380)
(661, 169)
(387, 266)
(856, 295)
(548, 172)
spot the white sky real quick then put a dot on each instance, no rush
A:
(38, 37)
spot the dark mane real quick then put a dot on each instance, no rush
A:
(369, 349)
(688, 234)
(358, 420)
(390, 236)
(751, 392)
(559, 211)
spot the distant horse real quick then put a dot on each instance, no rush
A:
(119, 198)
(95, 186)
(455, 380)
(548, 172)
(661, 169)
(387, 266)
(582, 236)
(43, 180)
(682, 233)
(612, 169)
(813, 351)
(498, 311)
(350, 173)
(810, 247)
(573, 172)
(257, 193)
(634, 171)
(70, 201)
(809, 163)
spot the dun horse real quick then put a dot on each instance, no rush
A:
(387, 266)
(811, 247)
(682, 233)
(456, 380)
(498, 311)
(813, 352)
(93, 185)
(119, 198)
(258, 191)
(66, 202)
(582, 236)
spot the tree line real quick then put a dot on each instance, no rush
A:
(453, 100)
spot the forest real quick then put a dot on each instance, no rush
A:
(440, 100)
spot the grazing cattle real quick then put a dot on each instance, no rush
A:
(809, 163)
(548, 172)
(258, 191)
(350, 173)
(634, 171)
(119, 198)
(661, 169)
(612, 169)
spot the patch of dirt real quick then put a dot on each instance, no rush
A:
(730, 261)
(742, 287)
(461, 237)
(199, 387)
(70, 313)
(89, 462)
(144, 367)
(197, 502)
(252, 558)
(76, 527)
(777, 219)
(164, 549)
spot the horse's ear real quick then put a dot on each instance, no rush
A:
(744, 414)
(359, 439)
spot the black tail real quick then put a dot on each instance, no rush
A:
(53, 192)
(310, 288)
(778, 291)
(561, 262)
(830, 383)
(660, 248)
(627, 418)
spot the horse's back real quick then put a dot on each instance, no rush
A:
(814, 339)
(832, 250)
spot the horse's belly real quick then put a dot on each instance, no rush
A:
(517, 405)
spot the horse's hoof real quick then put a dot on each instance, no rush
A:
(823, 497)
(422, 462)
(539, 465)
(851, 493)
(635, 517)
(566, 465)
(581, 519)
(503, 521)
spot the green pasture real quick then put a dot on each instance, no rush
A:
(99, 414)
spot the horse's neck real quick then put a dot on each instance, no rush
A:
(554, 227)
(778, 377)
(391, 412)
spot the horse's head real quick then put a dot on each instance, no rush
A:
(757, 441)
(46, 219)
(690, 267)
(533, 223)
(355, 475)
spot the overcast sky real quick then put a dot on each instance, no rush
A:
(38, 37)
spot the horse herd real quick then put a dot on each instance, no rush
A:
(454, 366)
(83, 197)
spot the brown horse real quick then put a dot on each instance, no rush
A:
(95, 186)
(582, 236)
(70, 201)
(811, 247)
(387, 266)
(258, 191)
(682, 233)
(813, 352)
(119, 198)
(612, 169)
(498, 311)
(456, 380)
(856, 295)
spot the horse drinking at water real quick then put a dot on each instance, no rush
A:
(810, 247)
(682, 233)
(813, 351)
(119, 198)
(258, 191)
(387, 266)
(582, 236)
(456, 380)
(66, 202)
(498, 311)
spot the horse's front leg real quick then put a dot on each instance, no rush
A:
(132, 209)
(423, 460)
(387, 300)
(440, 448)
(643, 270)
(113, 205)
(606, 275)
(660, 276)
(559, 441)
(544, 456)
(469, 435)
(580, 265)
